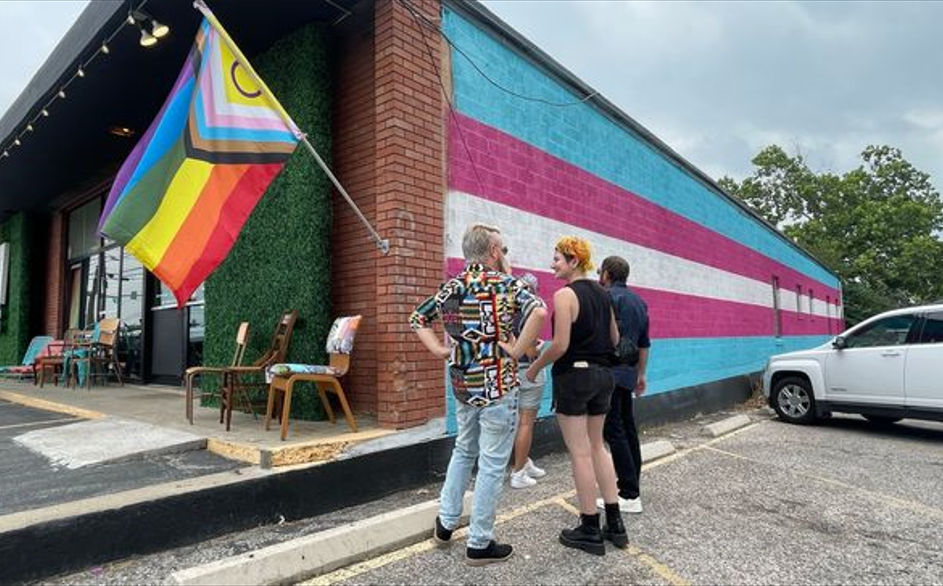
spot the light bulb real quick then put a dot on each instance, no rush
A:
(147, 39)
(159, 29)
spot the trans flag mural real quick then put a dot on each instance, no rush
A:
(724, 290)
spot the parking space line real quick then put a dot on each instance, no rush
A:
(688, 451)
(424, 546)
(376, 563)
(891, 500)
(653, 564)
(35, 423)
(656, 566)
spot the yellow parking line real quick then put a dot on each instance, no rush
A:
(559, 500)
(423, 546)
(653, 564)
(706, 445)
(891, 500)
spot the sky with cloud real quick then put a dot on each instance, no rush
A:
(717, 81)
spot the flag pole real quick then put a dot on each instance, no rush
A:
(200, 5)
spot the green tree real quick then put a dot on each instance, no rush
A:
(877, 226)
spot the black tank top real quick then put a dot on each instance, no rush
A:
(590, 339)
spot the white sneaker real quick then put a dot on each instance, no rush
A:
(520, 479)
(633, 506)
(533, 471)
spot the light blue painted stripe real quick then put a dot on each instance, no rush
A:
(582, 136)
(679, 363)
(234, 133)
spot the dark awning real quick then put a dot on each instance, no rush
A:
(124, 88)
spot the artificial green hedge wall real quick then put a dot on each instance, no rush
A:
(14, 322)
(281, 260)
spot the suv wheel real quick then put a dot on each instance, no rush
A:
(793, 401)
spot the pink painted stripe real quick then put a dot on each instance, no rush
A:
(675, 315)
(519, 175)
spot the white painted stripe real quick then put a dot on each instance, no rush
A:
(531, 237)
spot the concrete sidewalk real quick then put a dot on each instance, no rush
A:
(164, 407)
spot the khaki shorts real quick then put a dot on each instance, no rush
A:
(530, 393)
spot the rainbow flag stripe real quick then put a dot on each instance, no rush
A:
(181, 198)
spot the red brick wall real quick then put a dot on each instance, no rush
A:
(389, 154)
(410, 189)
(353, 254)
(54, 286)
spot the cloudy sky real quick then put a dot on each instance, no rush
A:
(717, 81)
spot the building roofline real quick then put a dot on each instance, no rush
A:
(499, 28)
(73, 49)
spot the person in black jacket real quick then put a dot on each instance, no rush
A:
(620, 431)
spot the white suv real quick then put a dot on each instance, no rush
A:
(886, 368)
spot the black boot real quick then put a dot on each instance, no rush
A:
(614, 530)
(585, 536)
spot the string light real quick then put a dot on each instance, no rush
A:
(135, 17)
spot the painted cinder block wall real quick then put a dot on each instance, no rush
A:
(704, 266)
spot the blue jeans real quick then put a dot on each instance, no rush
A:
(485, 435)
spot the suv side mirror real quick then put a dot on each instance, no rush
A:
(839, 343)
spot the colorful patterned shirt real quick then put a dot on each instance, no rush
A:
(477, 308)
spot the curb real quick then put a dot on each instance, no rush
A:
(657, 449)
(52, 406)
(725, 426)
(322, 552)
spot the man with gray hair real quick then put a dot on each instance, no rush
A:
(477, 308)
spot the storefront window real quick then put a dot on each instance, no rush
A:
(83, 230)
(111, 283)
(131, 310)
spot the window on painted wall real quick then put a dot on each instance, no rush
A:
(799, 301)
(811, 301)
(777, 310)
(828, 313)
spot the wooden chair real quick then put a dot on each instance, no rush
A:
(326, 378)
(52, 360)
(99, 354)
(235, 383)
(242, 340)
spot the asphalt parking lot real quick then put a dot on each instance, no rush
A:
(840, 503)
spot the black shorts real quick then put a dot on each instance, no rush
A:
(583, 391)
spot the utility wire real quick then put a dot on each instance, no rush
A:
(416, 17)
(438, 29)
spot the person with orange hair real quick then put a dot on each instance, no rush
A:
(584, 337)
